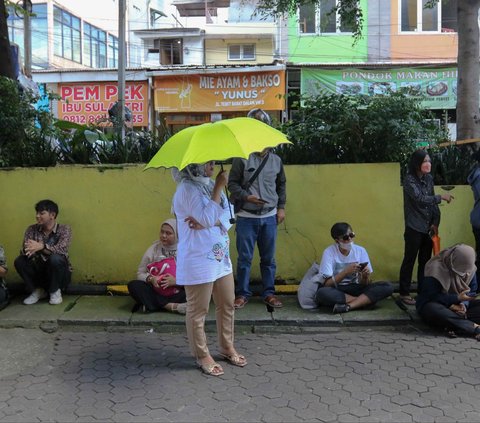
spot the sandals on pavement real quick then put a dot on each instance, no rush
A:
(240, 302)
(273, 301)
(406, 299)
(235, 359)
(211, 369)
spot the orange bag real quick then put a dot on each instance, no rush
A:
(436, 244)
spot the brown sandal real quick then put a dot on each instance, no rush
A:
(273, 301)
(240, 302)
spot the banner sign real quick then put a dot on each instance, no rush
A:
(221, 92)
(435, 87)
(89, 102)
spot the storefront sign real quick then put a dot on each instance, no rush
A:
(436, 87)
(89, 102)
(222, 92)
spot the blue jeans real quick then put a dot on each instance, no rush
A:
(262, 231)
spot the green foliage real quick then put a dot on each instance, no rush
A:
(451, 165)
(33, 137)
(25, 133)
(349, 10)
(88, 144)
(358, 129)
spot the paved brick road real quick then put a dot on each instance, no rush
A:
(368, 376)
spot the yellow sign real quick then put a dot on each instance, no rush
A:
(89, 102)
(221, 92)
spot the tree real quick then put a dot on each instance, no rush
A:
(6, 65)
(335, 128)
(468, 116)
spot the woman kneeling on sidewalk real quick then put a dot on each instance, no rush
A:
(343, 278)
(446, 295)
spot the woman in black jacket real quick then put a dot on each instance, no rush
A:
(422, 217)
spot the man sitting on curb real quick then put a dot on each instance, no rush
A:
(343, 278)
(43, 264)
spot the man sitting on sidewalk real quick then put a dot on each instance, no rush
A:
(43, 264)
(343, 278)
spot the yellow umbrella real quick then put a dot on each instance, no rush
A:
(221, 140)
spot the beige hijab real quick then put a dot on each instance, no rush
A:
(170, 250)
(453, 267)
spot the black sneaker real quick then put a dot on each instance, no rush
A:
(341, 308)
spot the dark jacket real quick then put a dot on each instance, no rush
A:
(430, 290)
(420, 204)
(270, 184)
(474, 181)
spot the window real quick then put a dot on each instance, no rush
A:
(241, 52)
(416, 18)
(171, 51)
(38, 23)
(15, 27)
(321, 19)
(67, 36)
(94, 46)
(39, 36)
(112, 51)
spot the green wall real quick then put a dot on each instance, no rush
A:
(326, 48)
(115, 214)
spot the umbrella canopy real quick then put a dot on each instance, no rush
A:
(221, 140)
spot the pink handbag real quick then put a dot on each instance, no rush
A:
(167, 266)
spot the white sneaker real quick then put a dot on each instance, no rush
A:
(56, 297)
(37, 294)
(181, 308)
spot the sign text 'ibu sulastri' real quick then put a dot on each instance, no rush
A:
(89, 102)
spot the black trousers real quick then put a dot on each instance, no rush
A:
(416, 244)
(144, 294)
(437, 315)
(51, 275)
(376, 291)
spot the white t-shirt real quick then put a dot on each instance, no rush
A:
(202, 255)
(333, 262)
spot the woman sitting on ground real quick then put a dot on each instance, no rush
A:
(446, 294)
(147, 289)
(343, 278)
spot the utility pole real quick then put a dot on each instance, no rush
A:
(121, 68)
(27, 38)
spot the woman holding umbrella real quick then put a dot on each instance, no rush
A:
(203, 262)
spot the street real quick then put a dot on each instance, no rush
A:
(361, 375)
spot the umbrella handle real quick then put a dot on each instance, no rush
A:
(232, 218)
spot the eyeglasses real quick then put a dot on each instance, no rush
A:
(349, 236)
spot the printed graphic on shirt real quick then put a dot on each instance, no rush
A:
(338, 268)
(219, 252)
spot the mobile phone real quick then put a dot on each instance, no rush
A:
(472, 294)
(363, 265)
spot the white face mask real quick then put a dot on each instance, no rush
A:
(345, 245)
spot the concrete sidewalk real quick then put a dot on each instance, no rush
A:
(106, 311)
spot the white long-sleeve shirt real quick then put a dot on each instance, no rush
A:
(202, 255)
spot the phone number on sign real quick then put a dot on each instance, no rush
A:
(96, 118)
